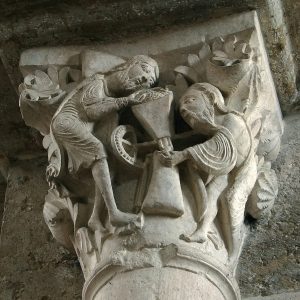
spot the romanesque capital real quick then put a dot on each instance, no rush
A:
(157, 151)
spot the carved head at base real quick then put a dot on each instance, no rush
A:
(139, 72)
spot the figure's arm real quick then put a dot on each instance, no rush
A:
(175, 158)
(96, 108)
(101, 107)
(97, 104)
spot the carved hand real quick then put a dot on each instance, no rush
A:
(51, 172)
(145, 95)
(175, 158)
(138, 97)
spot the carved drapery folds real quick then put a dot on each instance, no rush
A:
(153, 174)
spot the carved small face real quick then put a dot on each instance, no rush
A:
(197, 111)
(139, 76)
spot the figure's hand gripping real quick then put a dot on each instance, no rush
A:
(173, 158)
(147, 95)
(51, 173)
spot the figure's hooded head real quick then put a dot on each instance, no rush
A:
(197, 106)
(137, 73)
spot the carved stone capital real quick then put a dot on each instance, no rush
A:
(150, 185)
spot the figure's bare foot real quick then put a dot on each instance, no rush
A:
(95, 224)
(199, 236)
(120, 218)
(215, 239)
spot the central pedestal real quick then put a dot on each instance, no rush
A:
(181, 278)
(154, 263)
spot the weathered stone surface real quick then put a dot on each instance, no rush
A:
(14, 135)
(72, 22)
(268, 263)
(193, 198)
(50, 23)
(50, 272)
(32, 265)
(291, 9)
(284, 296)
(56, 23)
(270, 260)
(2, 197)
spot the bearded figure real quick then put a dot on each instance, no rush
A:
(223, 167)
(72, 129)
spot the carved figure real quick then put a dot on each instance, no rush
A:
(72, 125)
(227, 151)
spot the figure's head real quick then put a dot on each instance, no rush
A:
(137, 73)
(197, 106)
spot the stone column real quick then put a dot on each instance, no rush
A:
(159, 266)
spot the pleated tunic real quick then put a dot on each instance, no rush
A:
(217, 156)
(73, 126)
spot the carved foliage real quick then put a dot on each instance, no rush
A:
(226, 112)
(264, 192)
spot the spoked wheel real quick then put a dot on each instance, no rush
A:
(123, 140)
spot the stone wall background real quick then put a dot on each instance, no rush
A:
(32, 265)
(270, 259)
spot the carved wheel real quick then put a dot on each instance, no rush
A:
(123, 140)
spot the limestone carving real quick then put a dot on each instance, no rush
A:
(264, 192)
(71, 126)
(157, 174)
(228, 151)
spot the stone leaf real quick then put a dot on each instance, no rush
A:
(189, 73)
(264, 192)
